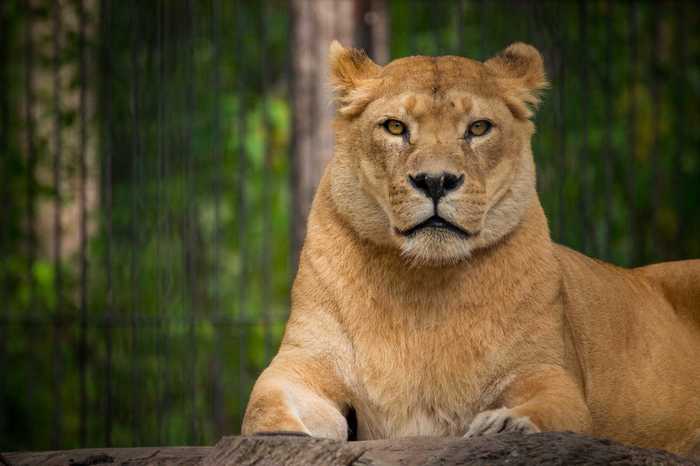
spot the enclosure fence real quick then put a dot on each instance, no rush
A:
(147, 179)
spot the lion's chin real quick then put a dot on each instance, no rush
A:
(435, 247)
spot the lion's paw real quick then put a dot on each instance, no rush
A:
(497, 421)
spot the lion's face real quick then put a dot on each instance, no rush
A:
(433, 154)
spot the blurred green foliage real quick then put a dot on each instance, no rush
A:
(188, 276)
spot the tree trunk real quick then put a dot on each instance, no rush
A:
(314, 25)
(372, 35)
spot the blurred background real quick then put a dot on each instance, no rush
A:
(158, 158)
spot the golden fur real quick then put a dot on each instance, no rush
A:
(500, 329)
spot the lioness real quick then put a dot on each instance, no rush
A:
(430, 298)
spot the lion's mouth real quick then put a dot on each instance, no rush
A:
(434, 222)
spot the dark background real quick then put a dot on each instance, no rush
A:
(157, 159)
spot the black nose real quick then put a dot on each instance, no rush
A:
(436, 185)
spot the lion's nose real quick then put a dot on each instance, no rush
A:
(436, 185)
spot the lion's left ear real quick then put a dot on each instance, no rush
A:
(352, 75)
(520, 70)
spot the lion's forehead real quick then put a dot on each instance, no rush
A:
(454, 105)
(437, 76)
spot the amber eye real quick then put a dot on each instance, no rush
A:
(395, 127)
(479, 128)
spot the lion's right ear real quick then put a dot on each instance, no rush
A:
(353, 76)
(520, 69)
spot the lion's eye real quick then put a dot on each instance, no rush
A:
(395, 127)
(479, 128)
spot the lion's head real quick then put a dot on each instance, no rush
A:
(433, 154)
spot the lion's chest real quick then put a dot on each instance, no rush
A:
(425, 377)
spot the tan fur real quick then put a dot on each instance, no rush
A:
(441, 334)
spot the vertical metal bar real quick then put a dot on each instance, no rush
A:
(190, 218)
(147, 232)
(267, 244)
(657, 110)
(241, 212)
(295, 7)
(218, 163)
(560, 117)
(637, 234)
(535, 35)
(460, 6)
(526, 6)
(680, 110)
(436, 31)
(136, 168)
(106, 14)
(483, 13)
(289, 77)
(412, 44)
(57, 362)
(4, 197)
(608, 152)
(30, 134)
(169, 44)
(31, 189)
(160, 279)
(83, 226)
(588, 234)
(159, 220)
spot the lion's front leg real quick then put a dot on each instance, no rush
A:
(290, 396)
(540, 398)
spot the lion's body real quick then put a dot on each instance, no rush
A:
(639, 356)
(505, 330)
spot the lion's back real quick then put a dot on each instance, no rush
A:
(637, 351)
(679, 282)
